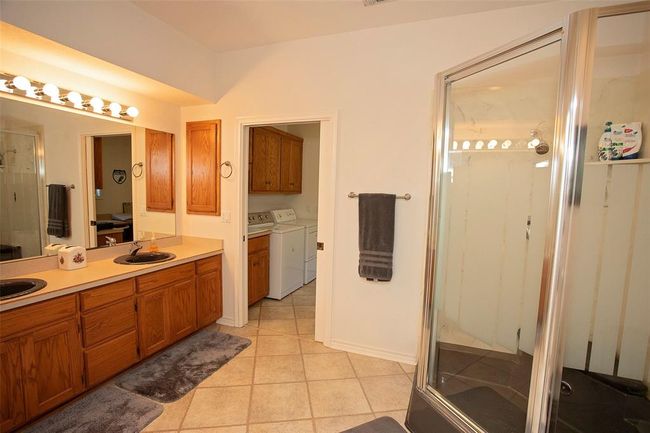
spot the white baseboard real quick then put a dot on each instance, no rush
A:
(227, 321)
(373, 351)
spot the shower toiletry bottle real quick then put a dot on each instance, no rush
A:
(153, 246)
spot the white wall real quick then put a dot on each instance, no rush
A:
(116, 155)
(306, 203)
(380, 81)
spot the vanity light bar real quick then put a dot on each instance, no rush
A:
(48, 92)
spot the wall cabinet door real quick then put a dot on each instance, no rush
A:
(159, 169)
(208, 301)
(264, 155)
(12, 401)
(153, 327)
(52, 366)
(203, 160)
(182, 309)
(291, 165)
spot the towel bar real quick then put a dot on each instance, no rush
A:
(406, 196)
(71, 186)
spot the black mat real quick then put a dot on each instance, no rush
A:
(108, 410)
(384, 424)
(491, 410)
(171, 374)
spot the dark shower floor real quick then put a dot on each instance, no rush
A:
(492, 388)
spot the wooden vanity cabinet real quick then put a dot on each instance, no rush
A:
(209, 305)
(275, 161)
(40, 349)
(258, 268)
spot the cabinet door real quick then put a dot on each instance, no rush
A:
(159, 148)
(153, 328)
(264, 160)
(12, 401)
(52, 365)
(291, 165)
(262, 274)
(208, 301)
(182, 309)
(203, 159)
(252, 268)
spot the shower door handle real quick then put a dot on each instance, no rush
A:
(528, 228)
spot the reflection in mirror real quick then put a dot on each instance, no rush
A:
(66, 178)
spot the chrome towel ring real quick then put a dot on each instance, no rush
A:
(227, 164)
(137, 169)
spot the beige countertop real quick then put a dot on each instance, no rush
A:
(104, 271)
(257, 233)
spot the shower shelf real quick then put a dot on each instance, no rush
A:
(620, 162)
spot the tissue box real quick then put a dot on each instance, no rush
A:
(72, 258)
(53, 249)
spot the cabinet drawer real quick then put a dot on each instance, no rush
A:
(258, 244)
(106, 294)
(30, 317)
(210, 264)
(100, 325)
(108, 359)
(164, 277)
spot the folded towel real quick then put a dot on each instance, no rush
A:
(58, 223)
(376, 236)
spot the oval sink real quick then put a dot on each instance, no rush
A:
(15, 287)
(144, 258)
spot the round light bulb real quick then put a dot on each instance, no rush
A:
(132, 112)
(97, 103)
(75, 99)
(455, 145)
(51, 90)
(466, 145)
(533, 143)
(506, 144)
(4, 88)
(492, 144)
(479, 144)
(21, 83)
(115, 109)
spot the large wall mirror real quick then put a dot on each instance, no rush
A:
(72, 179)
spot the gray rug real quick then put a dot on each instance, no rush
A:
(385, 424)
(107, 410)
(171, 374)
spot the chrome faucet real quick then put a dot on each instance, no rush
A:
(135, 247)
(110, 241)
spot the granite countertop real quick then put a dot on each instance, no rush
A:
(99, 272)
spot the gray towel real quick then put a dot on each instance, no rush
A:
(376, 236)
(58, 223)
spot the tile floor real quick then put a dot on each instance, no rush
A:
(286, 382)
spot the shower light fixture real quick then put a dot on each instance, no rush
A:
(48, 92)
(466, 145)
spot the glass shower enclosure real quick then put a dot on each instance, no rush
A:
(537, 291)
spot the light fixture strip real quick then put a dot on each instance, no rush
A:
(48, 92)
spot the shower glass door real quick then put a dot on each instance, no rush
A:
(493, 188)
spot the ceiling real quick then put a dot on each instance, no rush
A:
(233, 25)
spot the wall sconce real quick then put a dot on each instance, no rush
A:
(48, 92)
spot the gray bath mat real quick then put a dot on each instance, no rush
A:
(107, 410)
(384, 424)
(171, 374)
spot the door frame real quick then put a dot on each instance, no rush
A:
(326, 205)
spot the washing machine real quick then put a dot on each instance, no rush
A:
(288, 216)
(287, 252)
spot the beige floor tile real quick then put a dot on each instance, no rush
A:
(277, 313)
(337, 397)
(305, 426)
(323, 366)
(278, 369)
(264, 331)
(234, 429)
(311, 346)
(250, 350)
(304, 300)
(397, 415)
(253, 323)
(214, 407)
(253, 313)
(277, 345)
(268, 302)
(387, 393)
(369, 366)
(238, 371)
(309, 289)
(285, 326)
(408, 368)
(305, 326)
(172, 416)
(244, 331)
(279, 402)
(305, 312)
(340, 423)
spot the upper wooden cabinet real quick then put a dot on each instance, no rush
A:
(275, 161)
(159, 148)
(203, 163)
